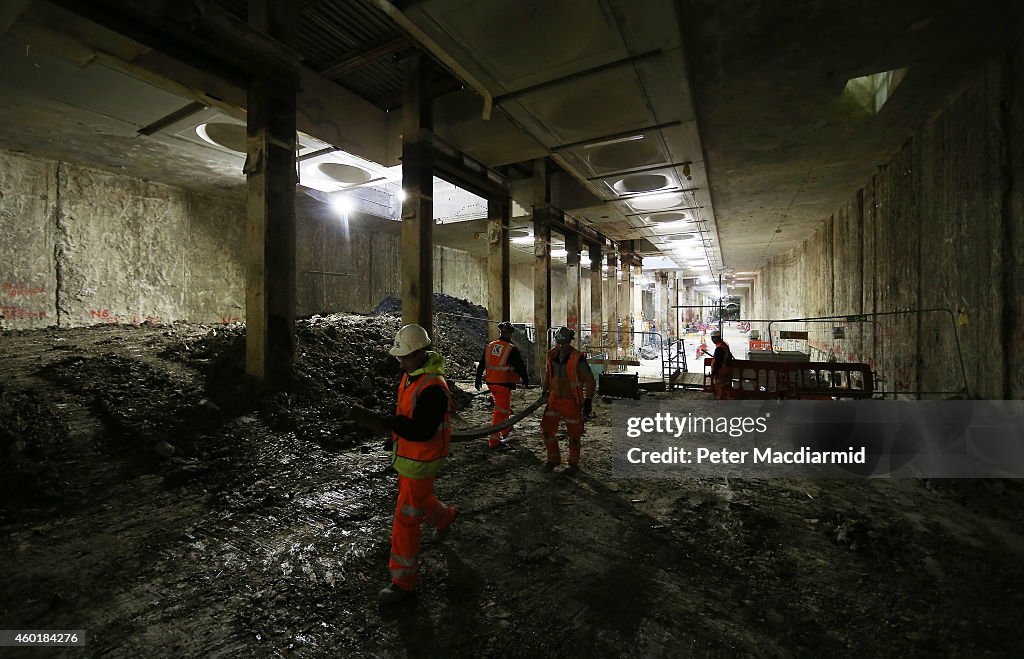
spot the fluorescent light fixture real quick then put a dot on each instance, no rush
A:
(618, 140)
(558, 253)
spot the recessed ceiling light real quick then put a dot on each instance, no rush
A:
(656, 202)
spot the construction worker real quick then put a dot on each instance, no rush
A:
(419, 443)
(721, 367)
(504, 366)
(570, 386)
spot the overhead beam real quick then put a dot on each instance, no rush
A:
(367, 55)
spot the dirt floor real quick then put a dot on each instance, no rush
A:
(149, 498)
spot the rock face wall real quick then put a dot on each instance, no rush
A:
(80, 246)
(941, 226)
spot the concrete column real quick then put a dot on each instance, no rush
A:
(676, 301)
(638, 296)
(417, 243)
(499, 297)
(572, 284)
(611, 314)
(270, 218)
(596, 286)
(541, 263)
(665, 319)
(626, 301)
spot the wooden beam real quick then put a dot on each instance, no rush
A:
(572, 286)
(596, 286)
(541, 263)
(367, 55)
(418, 206)
(270, 223)
(499, 298)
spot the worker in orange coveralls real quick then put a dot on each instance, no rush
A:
(570, 386)
(505, 368)
(421, 434)
(721, 367)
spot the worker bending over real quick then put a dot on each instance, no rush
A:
(570, 386)
(502, 368)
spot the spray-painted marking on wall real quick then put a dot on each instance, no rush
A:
(106, 316)
(13, 312)
(16, 290)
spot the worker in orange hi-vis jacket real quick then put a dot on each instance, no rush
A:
(570, 386)
(502, 368)
(420, 435)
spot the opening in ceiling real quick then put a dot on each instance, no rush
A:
(349, 174)
(656, 202)
(642, 183)
(873, 91)
(624, 155)
(229, 136)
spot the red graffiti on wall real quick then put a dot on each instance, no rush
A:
(106, 316)
(16, 290)
(13, 312)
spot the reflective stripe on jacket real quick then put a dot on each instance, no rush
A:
(420, 459)
(498, 371)
(557, 384)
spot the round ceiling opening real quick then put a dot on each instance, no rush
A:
(624, 155)
(229, 136)
(673, 216)
(642, 183)
(657, 202)
(349, 174)
(518, 233)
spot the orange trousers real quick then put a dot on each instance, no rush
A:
(502, 411)
(416, 502)
(556, 410)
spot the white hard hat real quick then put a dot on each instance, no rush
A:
(409, 339)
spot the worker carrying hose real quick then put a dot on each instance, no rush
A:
(421, 433)
(570, 386)
(502, 368)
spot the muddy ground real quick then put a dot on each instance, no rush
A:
(150, 498)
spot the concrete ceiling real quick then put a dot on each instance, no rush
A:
(732, 111)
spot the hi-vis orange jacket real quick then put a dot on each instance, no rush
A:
(572, 384)
(421, 459)
(498, 369)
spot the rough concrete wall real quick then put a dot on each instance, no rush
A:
(215, 289)
(366, 268)
(120, 247)
(28, 277)
(81, 246)
(461, 275)
(940, 226)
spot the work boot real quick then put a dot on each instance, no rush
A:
(441, 534)
(572, 470)
(549, 467)
(393, 594)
